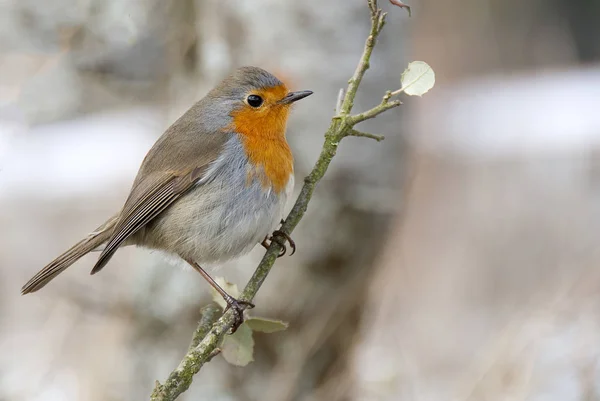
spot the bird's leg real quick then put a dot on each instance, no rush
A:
(276, 236)
(237, 306)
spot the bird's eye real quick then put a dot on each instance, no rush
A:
(254, 100)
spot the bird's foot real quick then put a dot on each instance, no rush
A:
(238, 307)
(267, 243)
(280, 237)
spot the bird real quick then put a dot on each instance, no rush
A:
(212, 187)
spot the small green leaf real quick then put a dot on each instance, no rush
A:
(417, 79)
(238, 348)
(265, 325)
(229, 288)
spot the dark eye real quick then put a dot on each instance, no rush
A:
(254, 100)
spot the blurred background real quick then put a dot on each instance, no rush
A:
(457, 260)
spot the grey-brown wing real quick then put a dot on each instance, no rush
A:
(153, 197)
(178, 159)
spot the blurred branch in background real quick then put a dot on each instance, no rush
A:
(342, 125)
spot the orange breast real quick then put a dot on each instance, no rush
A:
(263, 136)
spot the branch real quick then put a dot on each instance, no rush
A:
(209, 316)
(180, 379)
(377, 23)
(342, 125)
(378, 138)
(374, 112)
(338, 103)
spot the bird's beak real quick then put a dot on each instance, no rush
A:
(293, 96)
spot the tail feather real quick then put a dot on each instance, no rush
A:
(61, 263)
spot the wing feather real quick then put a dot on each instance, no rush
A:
(187, 154)
(162, 192)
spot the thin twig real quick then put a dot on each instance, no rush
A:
(377, 22)
(338, 103)
(374, 112)
(180, 379)
(342, 125)
(378, 138)
(209, 315)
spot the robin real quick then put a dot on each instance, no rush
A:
(212, 187)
